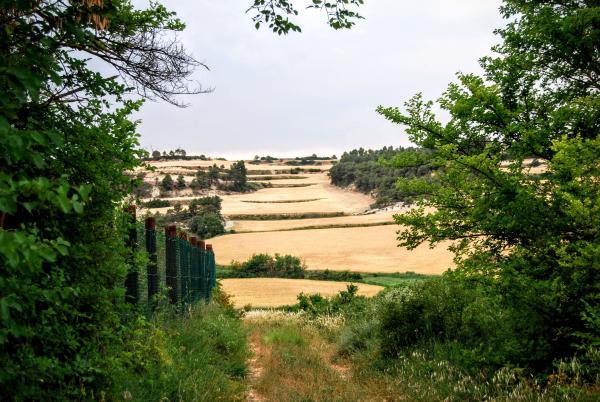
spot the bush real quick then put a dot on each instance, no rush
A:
(156, 203)
(264, 265)
(207, 225)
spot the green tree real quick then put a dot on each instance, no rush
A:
(200, 181)
(156, 154)
(214, 173)
(167, 183)
(238, 176)
(65, 148)
(180, 182)
(533, 238)
(207, 225)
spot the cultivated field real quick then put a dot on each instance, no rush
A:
(360, 249)
(274, 292)
(368, 245)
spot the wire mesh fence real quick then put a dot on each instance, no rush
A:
(168, 263)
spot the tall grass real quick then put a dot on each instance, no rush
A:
(198, 358)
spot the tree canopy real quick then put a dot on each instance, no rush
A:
(534, 233)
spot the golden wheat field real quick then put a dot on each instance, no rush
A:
(264, 226)
(360, 249)
(274, 292)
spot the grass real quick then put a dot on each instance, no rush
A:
(281, 201)
(276, 217)
(299, 358)
(198, 358)
(394, 280)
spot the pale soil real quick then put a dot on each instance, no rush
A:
(262, 226)
(274, 292)
(361, 249)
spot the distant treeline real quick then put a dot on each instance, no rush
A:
(177, 154)
(372, 172)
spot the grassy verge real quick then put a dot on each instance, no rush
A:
(330, 350)
(276, 217)
(381, 279)
(198, 358)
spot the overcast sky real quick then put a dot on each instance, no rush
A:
(315, 91)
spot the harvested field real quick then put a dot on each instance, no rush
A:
(264, 226)
(364, 249)
(330, 199)
(274, 292)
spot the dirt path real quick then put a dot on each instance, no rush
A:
(295, 361)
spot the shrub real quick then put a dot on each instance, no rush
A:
(156, 203)
(280, 266)
(207, 225)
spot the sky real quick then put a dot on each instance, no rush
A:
(314, 91)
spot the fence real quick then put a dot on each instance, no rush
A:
(185, 267)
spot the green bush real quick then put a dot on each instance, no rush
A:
(265, 265)
(156, 203)
(207, 225)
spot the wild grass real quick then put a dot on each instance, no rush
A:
(198, 358)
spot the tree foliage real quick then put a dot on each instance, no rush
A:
(375, 172)
(66, 142)
(533, 236)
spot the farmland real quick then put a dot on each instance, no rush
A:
(273, 292)
(348, 238)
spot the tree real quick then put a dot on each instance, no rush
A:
(156, 154)
(200, 181)
(207, 225)
(180, 185)
(214, 173)
(167, 183)
(238, 176)
(532, 238)
(66, 143)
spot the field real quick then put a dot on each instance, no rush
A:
(357, 239)
(274, 292)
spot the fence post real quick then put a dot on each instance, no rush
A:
(184, 267)
(131, 281)
(210, 270)
(194, 269)
(171, 262)
(152, 268)
(202, 270)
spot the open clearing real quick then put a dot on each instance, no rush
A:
(362, 249)
(274, 292)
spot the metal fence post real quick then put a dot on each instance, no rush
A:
(131, 281)
(184, 268)
(152, 268)
(171, 262)
(194, 269)
(202, 270)
(210, 270)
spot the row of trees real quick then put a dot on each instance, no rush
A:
(371, 172)
(233, 179)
